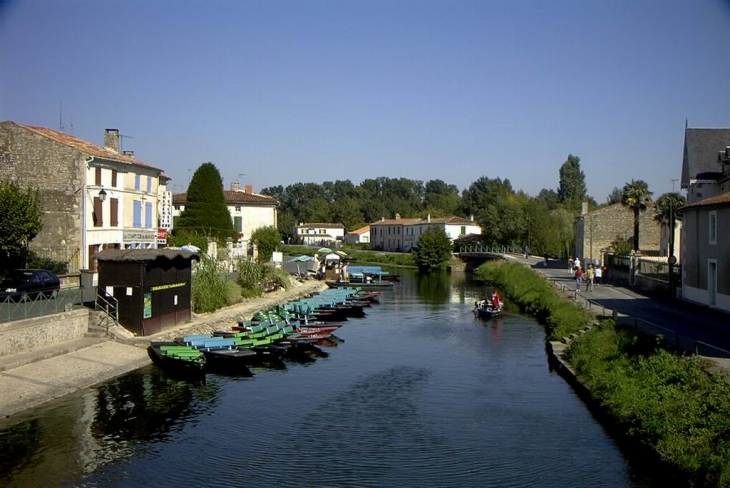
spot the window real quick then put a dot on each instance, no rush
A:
(463, 230)
(114, 178)
(177, 207)
(238, 208)
(238, 224)
(137, 214)
(98, 214)
(148, 215)
(136, 182)
(97, 177)
(149, 184)
(114, 217)
(713, 227)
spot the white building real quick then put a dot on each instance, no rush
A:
(249, 211)
(401, 235)
(358, 236)
(319, 233)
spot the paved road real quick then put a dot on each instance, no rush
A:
(697, 328)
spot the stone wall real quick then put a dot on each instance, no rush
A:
(29, 159)
(31, 334)
(598, 229)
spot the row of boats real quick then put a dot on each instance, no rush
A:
(294, 331)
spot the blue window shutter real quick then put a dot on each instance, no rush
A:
(148, 215)
(137, 217)
(149, 184)
(136, 182)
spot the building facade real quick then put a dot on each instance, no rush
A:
(402, 235)
(93, 197)
(319, 233)
(249, 211)
(358, 236)
(595, 231)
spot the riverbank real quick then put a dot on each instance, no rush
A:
(31, 379)
(665, 402)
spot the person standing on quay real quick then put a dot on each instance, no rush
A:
(599, 275)
(570, 265)
(590, 274)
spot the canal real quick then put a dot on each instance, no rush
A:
(419, 393)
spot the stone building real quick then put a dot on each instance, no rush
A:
(93, 197)
(596, 230)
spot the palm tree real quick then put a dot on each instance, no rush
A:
(665, 210)
(636, 196)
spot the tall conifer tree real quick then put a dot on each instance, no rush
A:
(206, 205)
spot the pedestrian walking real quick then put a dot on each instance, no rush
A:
(599, 275)
(590, 274)
(570, 265)
(527, 251)
(579, 278)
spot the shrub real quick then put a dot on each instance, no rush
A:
(209, 288)
(233, 293)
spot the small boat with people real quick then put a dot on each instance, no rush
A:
(488, 308)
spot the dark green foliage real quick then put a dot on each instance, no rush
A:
(209, 289)
(267, 239)
(433, 250)
(666, 402)
(666, 205)
(180, 238)
(21, 221)
(38, 262)
(614, 197)
(636, 196)
(572, 185)
(255, 278)
(205, 208)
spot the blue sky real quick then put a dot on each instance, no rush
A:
(279, 92)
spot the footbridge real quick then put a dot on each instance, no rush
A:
(473, 255)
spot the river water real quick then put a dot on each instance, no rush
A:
(420, 393)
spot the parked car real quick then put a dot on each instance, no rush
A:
(23, 284)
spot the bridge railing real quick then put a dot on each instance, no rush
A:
(481, 248)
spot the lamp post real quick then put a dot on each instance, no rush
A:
(672, 259)
(102, 195)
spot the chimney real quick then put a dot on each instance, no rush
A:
(111, 139)
(397, 216)
(128, 153)
(236, 186)
(584, 208)
(471, 217)
(382, 219)
(428, 218)
(249, 189)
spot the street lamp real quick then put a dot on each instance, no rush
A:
(102, 195)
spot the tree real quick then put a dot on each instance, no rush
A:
(636, 196)
(433, 250)
(667, 204)
(206, 208)
(572, 186)
(615, 196)
(266, 239)
(21, 221)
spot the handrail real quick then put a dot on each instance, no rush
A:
(108, 304)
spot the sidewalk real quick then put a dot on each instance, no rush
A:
(691, 327)
(32, 378)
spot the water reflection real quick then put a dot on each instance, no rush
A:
(82, 432)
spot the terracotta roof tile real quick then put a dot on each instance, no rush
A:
(361, 230)
(232, 197)
(395, 222)
(718, 200)
(87, 147)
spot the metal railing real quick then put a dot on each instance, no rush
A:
(109, 305)
(678, 341)
(12, 308)
(480, 248)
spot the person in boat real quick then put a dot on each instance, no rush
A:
(496, 300)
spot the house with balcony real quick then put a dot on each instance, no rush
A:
(93, 197)
(249, 211)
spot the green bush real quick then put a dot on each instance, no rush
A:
(233, 293)
(666, 402)
(37, 262)
(209, 288)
